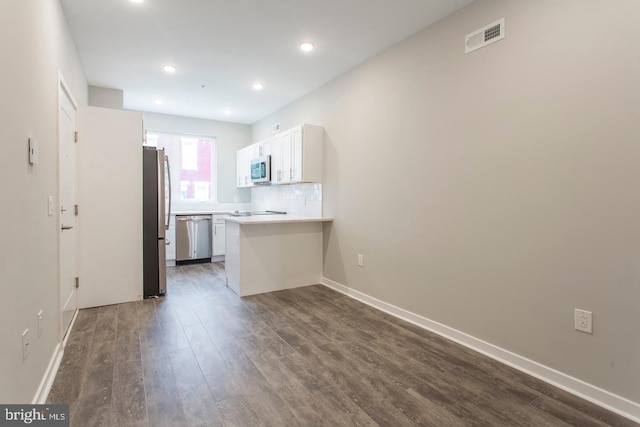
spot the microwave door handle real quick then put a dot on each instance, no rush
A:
(166, 158)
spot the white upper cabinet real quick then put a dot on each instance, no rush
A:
(296, 156)
(243, 161)
(243, 167)
(281, 158)
(260, 149)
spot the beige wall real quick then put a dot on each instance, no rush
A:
(34, 43)
(106, 97)
(497, 191)
(230, 137)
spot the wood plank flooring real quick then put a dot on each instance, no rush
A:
(202, 356)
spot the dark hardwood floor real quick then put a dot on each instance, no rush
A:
(202, 356)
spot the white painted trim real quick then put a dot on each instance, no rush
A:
(40, 398)
(73, 322)
(64, 86)
(62, 83)
(49, 376)
(594, 394)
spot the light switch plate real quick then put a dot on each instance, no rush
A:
(26, 343)
(40, 323)
(33, 151)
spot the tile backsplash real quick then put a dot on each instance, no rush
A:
(295, 199)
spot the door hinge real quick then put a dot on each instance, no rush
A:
(75, 209)
(75, 136)
(77, 282)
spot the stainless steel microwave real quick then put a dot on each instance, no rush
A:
(261, 170)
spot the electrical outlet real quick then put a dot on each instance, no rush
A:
(360, 260)
(40, 323)
(583, 321)
(26, 343)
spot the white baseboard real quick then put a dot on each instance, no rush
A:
(49, 376)
(41, 395)
(594, 394)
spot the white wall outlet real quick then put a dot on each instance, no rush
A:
(583, 321)
(26, 343)
(360, 260)
(40, 323)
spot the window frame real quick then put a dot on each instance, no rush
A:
(178, 201)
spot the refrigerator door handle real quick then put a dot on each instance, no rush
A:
(166, 158)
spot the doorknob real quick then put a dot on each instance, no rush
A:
(67, 227)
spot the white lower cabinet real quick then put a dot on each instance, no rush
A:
(170, 240)
(219, 239)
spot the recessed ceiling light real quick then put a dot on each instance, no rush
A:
(227, 111)
(169, 68)
(159, 102)
(136, 1)
(258, 86)
(307, 46)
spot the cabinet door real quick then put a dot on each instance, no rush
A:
(258, 149)
(276, 159)
(296, 154)
(170, 240)
(243, 167)
(285, 140)
(246, 167)
(239, 163)
(219, 239)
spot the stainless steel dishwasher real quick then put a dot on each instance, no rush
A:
(193, 238)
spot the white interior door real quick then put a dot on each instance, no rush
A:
(68, 200)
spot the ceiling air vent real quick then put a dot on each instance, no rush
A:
(484, 36)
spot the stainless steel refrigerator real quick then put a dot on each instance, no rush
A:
(156, 214)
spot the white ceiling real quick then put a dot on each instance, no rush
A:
(221, 47)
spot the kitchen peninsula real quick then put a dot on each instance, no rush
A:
(272, 253)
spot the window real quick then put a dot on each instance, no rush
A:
(192, 165)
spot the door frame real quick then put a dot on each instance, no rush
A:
(64, 86)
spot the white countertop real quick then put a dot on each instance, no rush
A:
(274, 219)
(227, 212)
